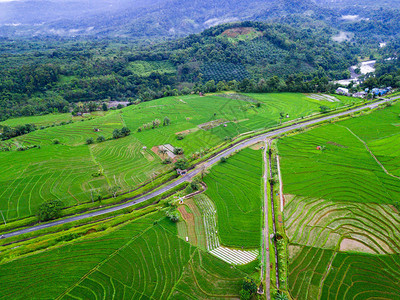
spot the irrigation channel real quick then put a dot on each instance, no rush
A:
(208, 163)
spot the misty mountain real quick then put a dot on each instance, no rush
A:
(161, 18)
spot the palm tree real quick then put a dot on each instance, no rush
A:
(163, 151)
(281, 296)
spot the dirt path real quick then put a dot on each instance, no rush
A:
(265, 242)
(271, 187)
(278, 164)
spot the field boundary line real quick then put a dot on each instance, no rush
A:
(183, 271)
(204, 292)
(91, 271)
(98, 164)
(373, 156)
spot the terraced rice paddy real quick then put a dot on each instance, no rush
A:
(65, 171)
(207, 277)
(366, 227)
(235, 189)
(339, 216)
(143, 259)
(343, 171)
(39, 120)
(147, 266)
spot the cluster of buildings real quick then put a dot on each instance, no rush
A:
(363, 94)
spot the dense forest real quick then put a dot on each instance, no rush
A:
(39, 77)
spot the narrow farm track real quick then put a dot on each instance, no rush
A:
(271, 189)
(246, 143)
(265, 245)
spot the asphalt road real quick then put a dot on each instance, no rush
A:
(194, 172)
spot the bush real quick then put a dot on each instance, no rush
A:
(244, 295)
(116, 133)
(223, 159)
(50, 210)
(181, 164)
(249, 285)
(89, 141)
(56, 141)
(100, 139)
(125, 131)
(167, 161)
(180, 137)
(178, 151)
(172, 215)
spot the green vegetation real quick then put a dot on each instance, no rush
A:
(141, 258)
(354, 276)
(89, 170)
(41, 80)
(235, 188)
(341, 185)
(344, 157)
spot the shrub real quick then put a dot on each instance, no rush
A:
(244, 295)
(166, 121)
(223, 159)
(116, 133)
(249, 285)
(50, 210)
(100, 139)
(56, 141)
(167, 161)
(89, 141)
(172, 215)
(125, 131)
(180, 137)
(178, 151)
(181, 164)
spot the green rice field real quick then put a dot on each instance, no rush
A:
(341, 208)
(141, 260)
(67, 171)
(235, 187)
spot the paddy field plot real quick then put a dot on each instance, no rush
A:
(364, 227)
(143, 259)
(340, 211)
(343, 170)
(235, 189)
(27, 178)
(317, 273)
(39, 120)
(65, 171)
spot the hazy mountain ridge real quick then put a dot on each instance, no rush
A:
(172, 18)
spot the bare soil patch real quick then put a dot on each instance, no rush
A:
(257, 146)
(235, 32)
(293, 250)
(189, 219)
(212, 124)
(336, 144)
(185, 132)
(353, 245)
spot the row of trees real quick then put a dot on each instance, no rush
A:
(10, 132)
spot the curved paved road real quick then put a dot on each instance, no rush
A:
(194, 172)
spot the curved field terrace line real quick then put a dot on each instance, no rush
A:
(196, 171)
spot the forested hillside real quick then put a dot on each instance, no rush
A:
(39, 77)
